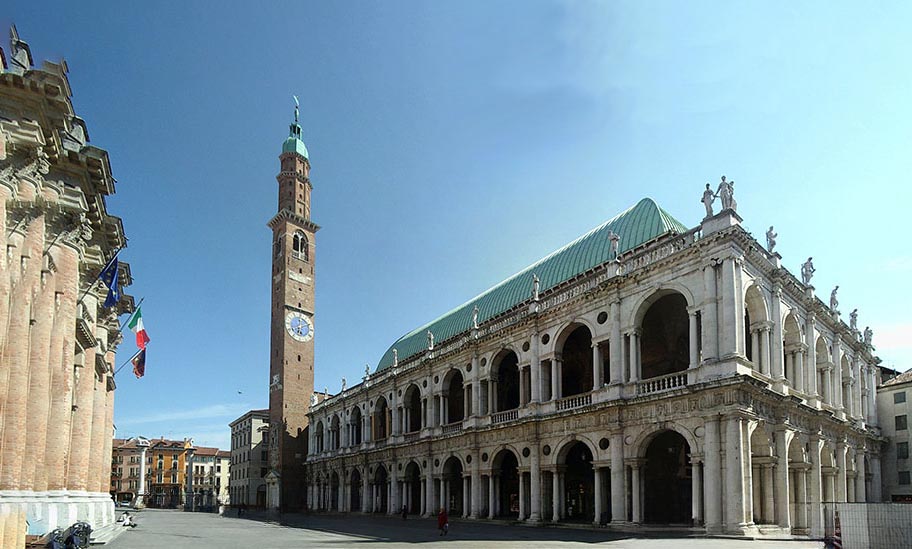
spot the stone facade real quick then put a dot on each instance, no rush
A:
(208, 474)
(57, 340)
(249, 445)
(894, 405)
(128, 470)
(688, 380)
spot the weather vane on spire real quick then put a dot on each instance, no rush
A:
(296, 107)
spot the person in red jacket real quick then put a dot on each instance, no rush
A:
(443, 522)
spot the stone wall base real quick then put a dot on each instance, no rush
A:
(45, 511)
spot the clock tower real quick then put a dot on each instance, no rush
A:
(291, 356)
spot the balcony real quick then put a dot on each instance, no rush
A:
(662, 383)
(575, 401)
(452, 428)
(503, 417)
(411, 437)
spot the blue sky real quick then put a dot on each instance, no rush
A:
(452, 144)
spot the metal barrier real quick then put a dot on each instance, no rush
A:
(868, 525)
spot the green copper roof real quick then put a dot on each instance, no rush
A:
(639, 224)
(294, 145)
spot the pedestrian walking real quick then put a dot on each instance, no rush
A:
(443, 522)
(404, 512)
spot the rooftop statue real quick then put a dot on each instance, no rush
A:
(367, 371)
(615, 243)
(834, 303)
(313, 399)
(430, 341)
(708, 198)
(807, 271)
(726, 192)
(535, 286)
(868, 335)
(771, 239)
(343, 384)
(395, 357)
(475, 317)
(853, 320)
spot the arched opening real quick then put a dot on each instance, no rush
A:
(667, 480)
(452, 486)
(799, 467)
(762, 482)
(381, 420)
(507, 382)
(455, 395)
(320, 435)
(334, 434)
(412, 408)
(355, 426)
(823, 369)
(579, 483)
(576, 362)
(355, 486)
(334, 491)
(791, 346)
(412, 489)
(665, 346)
(300, 246)
(755, 318)
(380, 494)
(848, 397)
(506, 477)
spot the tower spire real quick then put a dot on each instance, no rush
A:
(294, 143)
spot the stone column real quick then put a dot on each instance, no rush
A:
(710, 314)
(736, 473)
(776, 370)
(80, 436)
(815, 487)
(860, 495)
(696, 490)
(636, 489)
(556, 496)
(535, 369)
(801, 370)
(535, 486)
(555, 379)
(857, 411)
(625, 359)
(491, 494)
(712, 473)
(522, 496)
(466, 496)
(841, 471)
(782, 479)
(596, 367)
(476, 489)
(755, 349)
(731, 327)
(828, 396)
(476, 390)
(365, 492)
(765, 351)
(634, 356)
(141, 492)
(618, 488)
(811, 369)
(615, 362)
(872, 403)
(694, 342)
(837, 374)
(598, 495)
(423, 497)
(769, 516)
(559, 365)
(876, 482)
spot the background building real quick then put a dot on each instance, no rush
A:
(128, 467)
(895, 411)
(647, 372)
(249, 458)
(210, 469)
(166, 466)
(57, 340)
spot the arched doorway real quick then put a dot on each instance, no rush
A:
(412, 409)
(506, 473)
(576, 362)
(455, 405)
(507, 382)
(380, 494)
(665, 347)
(355, 486)
(412, 489)
(579, 484)
(334, 491)
(452, 486)
(667, 480)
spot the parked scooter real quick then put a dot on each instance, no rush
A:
(55, 539)
(78, 535)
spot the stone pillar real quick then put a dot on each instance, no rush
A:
(710, 314)
(755, 349)
(365, 492)
(876, 482)
(841, 472)
(800, 370)
(625, 359)
(141, 492)
(559, 365)
(776, 370)
(837, 375)
(556, 496)
(816, 490)
(769, 516)
(616, 368)
(732, 326)
(522, 496)
(696, 490)
(598, 495)
(857, 411)
(765, 351)
(872, 401)
(736, 473)
(618, 484)
(466, 496)
(80, 436)
(596, 367)
(491, 495)
(694, 342)
(811, 366)
(429, 499)
(636, 489)
(476, 390)
(634, 356)
(423, 497)
(535, 486)
(535, 369)
(860, 495)
(712, 473)
(555, 379)
(476, 489)
(782, 479)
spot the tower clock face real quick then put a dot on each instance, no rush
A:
(299, 326)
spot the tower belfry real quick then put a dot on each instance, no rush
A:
(291, 356)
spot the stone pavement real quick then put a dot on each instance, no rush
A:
(178, 530)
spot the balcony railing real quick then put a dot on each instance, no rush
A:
(662, 383)
(575, 401)
(452, 428)
(410, 437)
(503, 417)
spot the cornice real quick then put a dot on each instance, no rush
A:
(291, 217)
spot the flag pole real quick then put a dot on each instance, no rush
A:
(119, 330)
(103, 269)
(119, 368)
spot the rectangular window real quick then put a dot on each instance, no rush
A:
(899, 397)
(902, 450)
(901, 423)
(904, 478)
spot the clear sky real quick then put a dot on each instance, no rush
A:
(452, 144)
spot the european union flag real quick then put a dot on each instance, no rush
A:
(109, 276)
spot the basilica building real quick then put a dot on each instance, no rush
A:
(647, 372)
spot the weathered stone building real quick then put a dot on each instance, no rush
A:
(57, 340)
(249, 458)
(648, 372)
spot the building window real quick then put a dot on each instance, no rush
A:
(899, 397)
(904, 478)
(902, 450)
(301, 248)
(901, 423)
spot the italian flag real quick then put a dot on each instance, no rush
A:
(136, 324)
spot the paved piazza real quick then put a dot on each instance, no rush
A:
(179, 530)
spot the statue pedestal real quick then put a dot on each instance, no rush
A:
(809, 291)
(721, 221)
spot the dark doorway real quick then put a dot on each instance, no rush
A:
(509, 485)
(452, 475)
(508, 382)
(667, 480)
(455, 398)
(355, 487)
(576, 368)
(579, 483)
(380, 491)
(413, 488)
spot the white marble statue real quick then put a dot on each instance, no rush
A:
(536, 283)
(343, 384)
(430, 341)
(771, 239)
(367, 371)
(726, 192)
(395, 357)
(868, 335)
(313, 399)
(853, 320)
(834, 302)
(807, 271)
(708, 198)
(615, 240)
